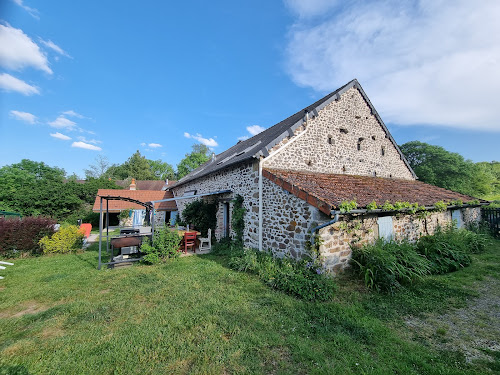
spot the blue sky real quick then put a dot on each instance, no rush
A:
(83, 78)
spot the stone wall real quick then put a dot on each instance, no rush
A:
(338, 238)
(330, 143)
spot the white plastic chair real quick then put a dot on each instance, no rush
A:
(2, 267)
(206, 243)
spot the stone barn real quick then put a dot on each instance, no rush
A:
(331, 170)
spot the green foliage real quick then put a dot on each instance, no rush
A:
(201, 215)
(165, 246)
(371, 206)
(137, 166)
(302, 279)
(457, 202)
(440, 206)
(198, 156)
(161, 170)
(385, 266)
(67, 239)
(227, 247)
(124, 214)
(347, 206)
(387, 206)
(437, 166)
(238, 218)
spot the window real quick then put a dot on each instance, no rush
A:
(385, 229)
(360, 140)
(456, 215)
(330, 140)
(344, 131)
(382, 150)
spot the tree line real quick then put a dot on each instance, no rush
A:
(34, 188)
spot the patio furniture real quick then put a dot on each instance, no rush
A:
(206, 243)
(2, 267)
(189, 241)
(129, 230)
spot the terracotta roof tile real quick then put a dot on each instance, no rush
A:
(140, 195)
(328, 191)
(144, 184)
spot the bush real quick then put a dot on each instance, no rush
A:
(202, 215)
(227, 247)
(448, 249)
(300, 279)
(385, 266)
(67, 239)
(23, 235)
(165, 245)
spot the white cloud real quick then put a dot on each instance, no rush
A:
(50, 44)
(32, 11)
(210, 142)
(72, 113)
(10, 83)
(18, 51)
(425, 62)
(23, 116)
(60, 136)
(154, 145)
(86, 146)
(143, 144)
(255, 129)
(93, 141)
(63, 123)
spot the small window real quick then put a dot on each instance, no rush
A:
(373, 137)
(360, 140)
(382, 151)
(344, 130)
(344, 169)
(330, 140)
(385, 228)
(309, 163)
(374, 173)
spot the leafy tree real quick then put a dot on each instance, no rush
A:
(197, 157)
(449, 170)
(137, 166)
(161, 170)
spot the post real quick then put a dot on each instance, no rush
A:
(153, 224)
(100, 235)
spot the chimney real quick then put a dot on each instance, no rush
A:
(132, 184)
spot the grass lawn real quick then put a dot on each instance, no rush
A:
(60, 315)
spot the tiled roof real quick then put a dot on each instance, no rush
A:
(140, 195)
(328, 191)
(144, 184)
(261, 143)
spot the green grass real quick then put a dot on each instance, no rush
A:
(60, 315)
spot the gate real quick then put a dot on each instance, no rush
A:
(491, 216)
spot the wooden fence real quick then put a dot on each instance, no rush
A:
(491, 216)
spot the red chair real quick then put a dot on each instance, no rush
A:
(189, 241)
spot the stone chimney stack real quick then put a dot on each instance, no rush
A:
(132, 185)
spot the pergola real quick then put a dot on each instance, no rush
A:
(150, 215)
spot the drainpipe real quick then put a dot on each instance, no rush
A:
(333, 221)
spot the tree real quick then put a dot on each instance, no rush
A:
(136, 166)
(449, 170)
(161, 170)
(98, 169)
(197, 157)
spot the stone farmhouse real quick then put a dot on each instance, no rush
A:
(295, 176)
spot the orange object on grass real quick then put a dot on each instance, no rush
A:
(86, 228)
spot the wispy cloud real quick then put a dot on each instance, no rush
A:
(93, 141)
(253, 130)
(72, 113)
(24, 116)
(50, 44)
(86, 146)
(154, 145)
(210, 142)
(421, 62)
(18, 51)
(60, 136)
(63, 123)
(32, 11)
(10, 83)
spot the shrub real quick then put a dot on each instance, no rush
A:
(165, 245)
(385, 266)
(201, 214)
(67, 239)
(227, 247)
(448, 249)
(238, 219)
(300, 279)
(23, 235)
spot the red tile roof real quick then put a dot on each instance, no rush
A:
(328, 191)
(140, 195)
(145, 184)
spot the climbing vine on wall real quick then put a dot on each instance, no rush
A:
(238, 219)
